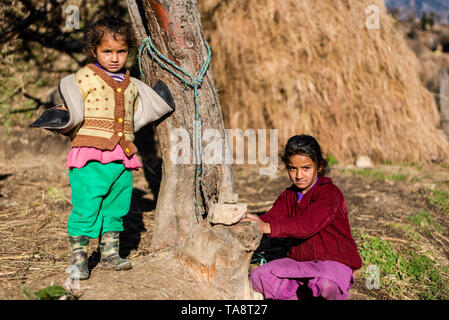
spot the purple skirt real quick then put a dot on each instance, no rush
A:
(280, 279)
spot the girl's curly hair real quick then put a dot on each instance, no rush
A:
(107, 25)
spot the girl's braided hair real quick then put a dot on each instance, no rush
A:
(307, 146)
(117, 27)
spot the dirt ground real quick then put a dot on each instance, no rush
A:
(35, 203)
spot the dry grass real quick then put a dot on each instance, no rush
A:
(313, 67)
(33, 238)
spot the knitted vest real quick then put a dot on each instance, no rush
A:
(108, 111)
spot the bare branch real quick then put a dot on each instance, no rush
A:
(42, 11)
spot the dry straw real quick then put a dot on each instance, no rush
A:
(313, 67)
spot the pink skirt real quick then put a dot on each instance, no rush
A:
(78, 157)
(280, 279)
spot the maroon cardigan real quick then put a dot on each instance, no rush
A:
(319, 222)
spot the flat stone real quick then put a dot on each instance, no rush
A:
(364, 162)
(226, 213)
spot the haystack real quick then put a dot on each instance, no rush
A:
(314, 67)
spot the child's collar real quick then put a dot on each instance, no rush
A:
(109, 80)
(122, 71)
(302, 195)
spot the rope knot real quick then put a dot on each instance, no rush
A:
(197, 83)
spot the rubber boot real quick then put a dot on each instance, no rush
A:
(78, 260)
(109, 248)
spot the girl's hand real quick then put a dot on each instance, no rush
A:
(262, 226)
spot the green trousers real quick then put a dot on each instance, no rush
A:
(101, 197)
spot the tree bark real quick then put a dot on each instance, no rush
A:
(215, 253)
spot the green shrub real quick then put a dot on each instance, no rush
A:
(49, 293)
(380, 253)
(331, 161)
(424, 276)
(398, 176)
(421, 218)
(440, 199)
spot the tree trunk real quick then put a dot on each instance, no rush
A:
(214, 252)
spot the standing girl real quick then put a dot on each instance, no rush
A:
(103, 107)
(313, 210)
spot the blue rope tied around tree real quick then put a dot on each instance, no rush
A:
(194, 83)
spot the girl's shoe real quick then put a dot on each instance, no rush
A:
(78, 260)
(109, 247)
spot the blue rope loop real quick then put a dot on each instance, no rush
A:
(259, 260)
(195, 84)
(170, 66)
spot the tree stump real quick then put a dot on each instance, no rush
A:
(216, 253)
